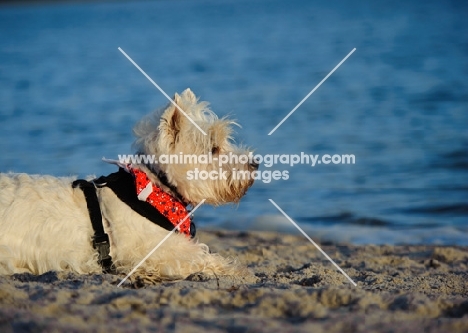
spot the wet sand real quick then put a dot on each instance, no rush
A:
(292, 288)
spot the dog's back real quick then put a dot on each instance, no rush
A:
(43, 220)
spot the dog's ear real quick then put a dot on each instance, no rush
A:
(189, 95)
(177, 99)
(176, 119)
(172, 119)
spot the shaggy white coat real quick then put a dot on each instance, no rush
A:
(45, 225)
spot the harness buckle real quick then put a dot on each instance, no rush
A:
(102, 245)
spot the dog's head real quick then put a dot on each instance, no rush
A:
(201, 166)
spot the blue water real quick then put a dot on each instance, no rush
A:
(68, 97)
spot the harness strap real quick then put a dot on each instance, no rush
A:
(122, 184)
(100, 239)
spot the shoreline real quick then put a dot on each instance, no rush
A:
(292, 287)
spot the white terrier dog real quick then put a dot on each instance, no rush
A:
(112, 223)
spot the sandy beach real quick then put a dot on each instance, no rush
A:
(291, 287)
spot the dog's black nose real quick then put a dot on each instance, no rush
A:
(255, 163)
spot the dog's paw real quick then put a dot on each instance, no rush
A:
(198, 277)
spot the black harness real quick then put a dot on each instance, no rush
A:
(100, 239)
(122, 184)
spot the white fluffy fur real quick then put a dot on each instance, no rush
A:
(170, 132)
(45, 225)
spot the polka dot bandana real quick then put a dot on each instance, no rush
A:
(165, 203)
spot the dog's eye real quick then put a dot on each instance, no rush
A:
(214, 150)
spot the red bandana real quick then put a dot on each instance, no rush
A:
(165, 203)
